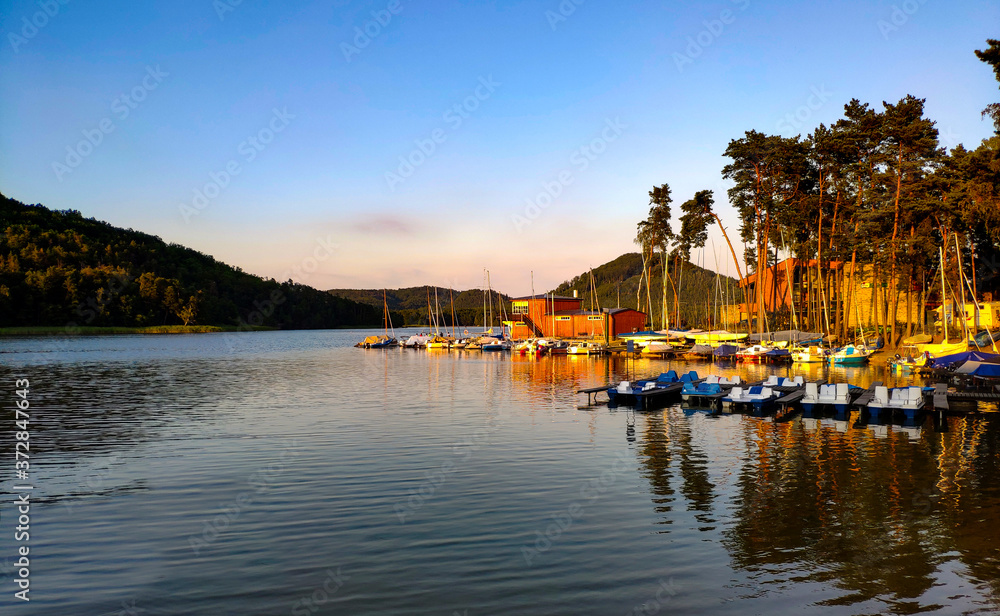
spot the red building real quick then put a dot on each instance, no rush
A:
(547, 316)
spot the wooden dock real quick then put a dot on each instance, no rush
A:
(657, 398)
(941, 398)
(593, 391)
(787, 404)
(790, 398)
(861, 402)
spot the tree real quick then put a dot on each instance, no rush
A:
(768, 171)
(991, 56)
(655, 233)
(911, 147)
(861, 132)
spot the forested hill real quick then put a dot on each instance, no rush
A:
(58, 268)
(411, 303)
(618, 281)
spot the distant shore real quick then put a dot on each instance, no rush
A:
(45, 330)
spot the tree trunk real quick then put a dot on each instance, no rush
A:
(761, 266)
(872, 312)
(638, 290)
(809, 298)
(923, 303)
(851, 300)
(909, 289)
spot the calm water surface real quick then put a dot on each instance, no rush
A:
(289, 473)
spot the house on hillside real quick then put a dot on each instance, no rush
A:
(548, 316)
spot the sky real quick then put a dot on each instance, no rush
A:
(390, 143)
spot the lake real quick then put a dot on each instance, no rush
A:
(290, 473)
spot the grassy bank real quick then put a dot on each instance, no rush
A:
(97, 331)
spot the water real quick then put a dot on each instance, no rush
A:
(288, 473)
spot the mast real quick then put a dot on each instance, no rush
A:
(553, 313)
(717, 292)
(791, 289)
(386, 316)
(663, 286)
(437, 310)
(944, 317)
(489, 292)
(451, 292)
(961, 285)
(430, 319)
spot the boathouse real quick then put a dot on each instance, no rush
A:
(558, 316)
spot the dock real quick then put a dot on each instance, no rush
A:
(593, 391)
(861, 402)
(941, 398)
(658, 397)
(788, 402)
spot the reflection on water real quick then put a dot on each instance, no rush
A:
(424, 475)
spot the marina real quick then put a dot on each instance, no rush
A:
(444, 462)
(500, 308)
(976, 373)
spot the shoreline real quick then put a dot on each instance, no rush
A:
(47, 330)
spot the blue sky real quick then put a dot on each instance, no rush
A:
(129, 112)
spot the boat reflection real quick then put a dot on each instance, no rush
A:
(880, 512)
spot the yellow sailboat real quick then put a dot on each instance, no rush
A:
(922, 344)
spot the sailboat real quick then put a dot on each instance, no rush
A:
(437, 341)
(385, 340)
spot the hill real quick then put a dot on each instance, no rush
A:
(58, 268)
(618, 281)
(410, 304)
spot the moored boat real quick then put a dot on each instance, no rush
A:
(776, 356)
(698, 352)
(818, 396)
(554, 347)
(710, 386)
(907, 400)
(495, 344)
(758, 398)
(851, 355)
(438, 342)
(658, 347)
(725, 352)
(753, 353)
(714, 338)
(809, 355)
(585, 348)
(378, 342)
(416, 341)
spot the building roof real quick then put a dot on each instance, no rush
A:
(548, 297)
(619, 310)
(611, 311)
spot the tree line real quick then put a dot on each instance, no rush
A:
(58, 268)
(875, 190)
